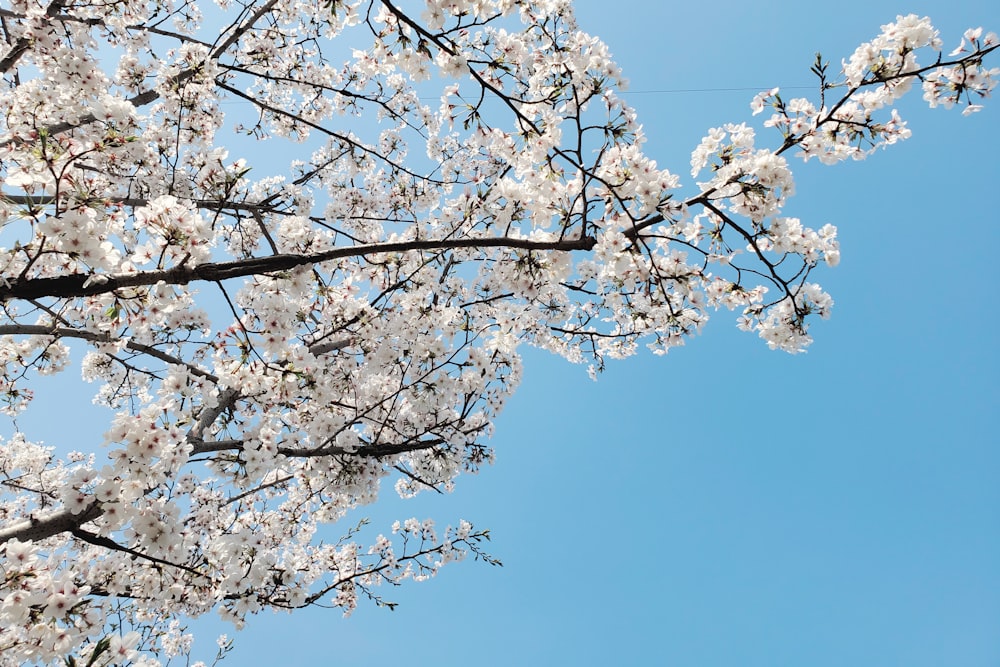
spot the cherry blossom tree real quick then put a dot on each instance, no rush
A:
(275, 336)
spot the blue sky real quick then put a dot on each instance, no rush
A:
(729, 505)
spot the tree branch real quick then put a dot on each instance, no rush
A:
(93, 336)
(209, 204)
(84, 284)
(60, 521)
(108, 543)
(19, 48)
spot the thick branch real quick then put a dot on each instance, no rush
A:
(370, 451)
(83, 284)
(367, 451)
(21, 46)
(59, 521)
(207, 417)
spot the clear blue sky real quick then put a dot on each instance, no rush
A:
(729, 505)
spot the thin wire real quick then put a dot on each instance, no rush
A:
(709, 90)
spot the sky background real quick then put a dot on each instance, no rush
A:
(726, 504)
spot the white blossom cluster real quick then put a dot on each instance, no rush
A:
(277, 340)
